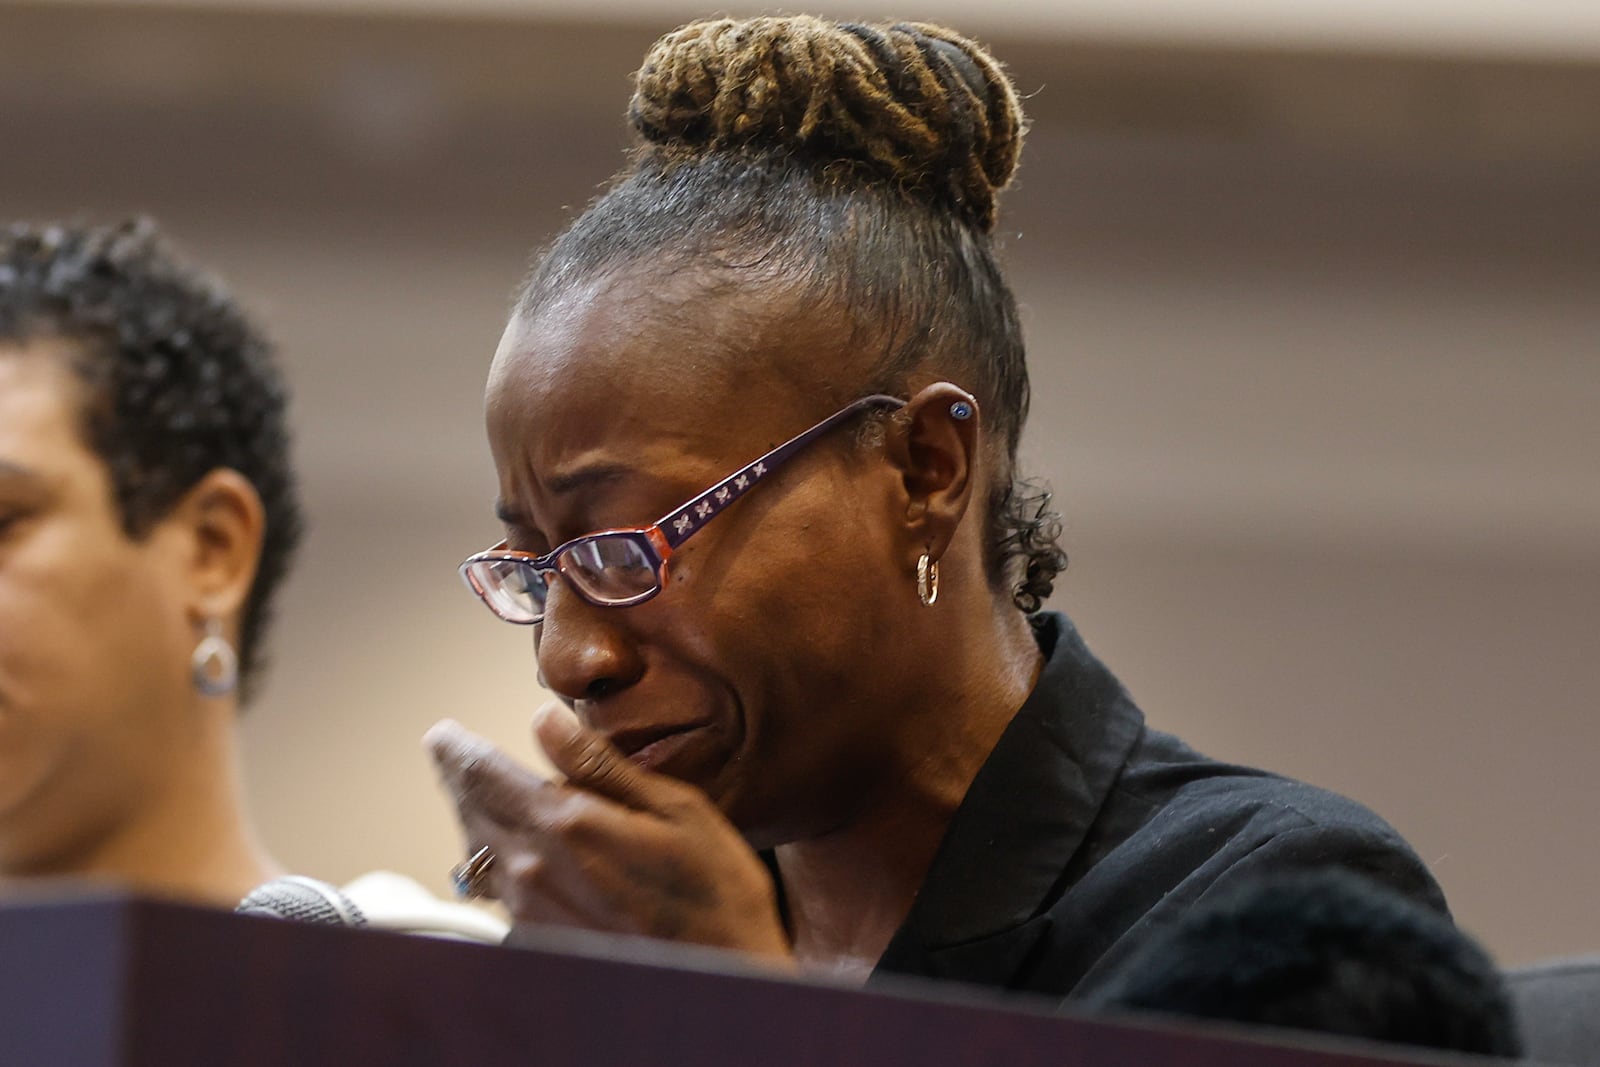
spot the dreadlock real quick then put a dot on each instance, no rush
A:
(914, 104)
(862, 164)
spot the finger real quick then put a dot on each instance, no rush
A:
(554, 880)
(526, 861)
(524, 872)
(618, 887)
(590, 761)
(523, 884)
(484, 779)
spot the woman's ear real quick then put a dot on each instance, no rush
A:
(936, 448)
(222, 522)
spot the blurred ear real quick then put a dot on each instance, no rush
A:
(935, 446)
(221, 522)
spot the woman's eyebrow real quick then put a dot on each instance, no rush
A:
(587, 476)
(565, 483)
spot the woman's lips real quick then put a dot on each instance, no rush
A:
(654, 748)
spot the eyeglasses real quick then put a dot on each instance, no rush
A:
(618, 568)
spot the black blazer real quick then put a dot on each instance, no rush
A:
(1085, 831)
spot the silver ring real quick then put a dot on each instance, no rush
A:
(471, 878)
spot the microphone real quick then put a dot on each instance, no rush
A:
(303, 900)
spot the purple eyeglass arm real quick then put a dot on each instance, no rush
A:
(677, 526)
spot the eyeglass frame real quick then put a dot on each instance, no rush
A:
(663, 537)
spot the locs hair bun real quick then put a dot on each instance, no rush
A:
(913, 106)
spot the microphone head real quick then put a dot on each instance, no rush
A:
(304, 900)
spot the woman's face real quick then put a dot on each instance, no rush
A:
(767, 671)
(93, 649)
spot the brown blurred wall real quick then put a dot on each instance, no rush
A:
(1316, 351)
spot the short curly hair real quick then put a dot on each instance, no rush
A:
(178, 381)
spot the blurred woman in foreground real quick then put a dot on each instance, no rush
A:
(147, 516)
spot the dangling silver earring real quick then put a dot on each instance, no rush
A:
(214, 665)
(927, 580)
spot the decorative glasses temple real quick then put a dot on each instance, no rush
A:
(616, 568)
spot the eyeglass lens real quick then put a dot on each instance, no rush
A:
(612, 569)
(515, 590)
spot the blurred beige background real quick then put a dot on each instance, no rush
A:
(1314, 331)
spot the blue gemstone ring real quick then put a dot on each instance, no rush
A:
(471, 878)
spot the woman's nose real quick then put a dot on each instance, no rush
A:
(583, 652)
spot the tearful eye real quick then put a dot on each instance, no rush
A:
(611, 568)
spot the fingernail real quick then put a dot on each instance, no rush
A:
(440, 733)
(557, 722)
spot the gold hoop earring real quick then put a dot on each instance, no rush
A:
(927, 580)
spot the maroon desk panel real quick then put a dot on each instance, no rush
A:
(121, 982)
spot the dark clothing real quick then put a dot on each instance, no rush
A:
(1085, 832)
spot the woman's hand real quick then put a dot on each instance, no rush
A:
(613, 848)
